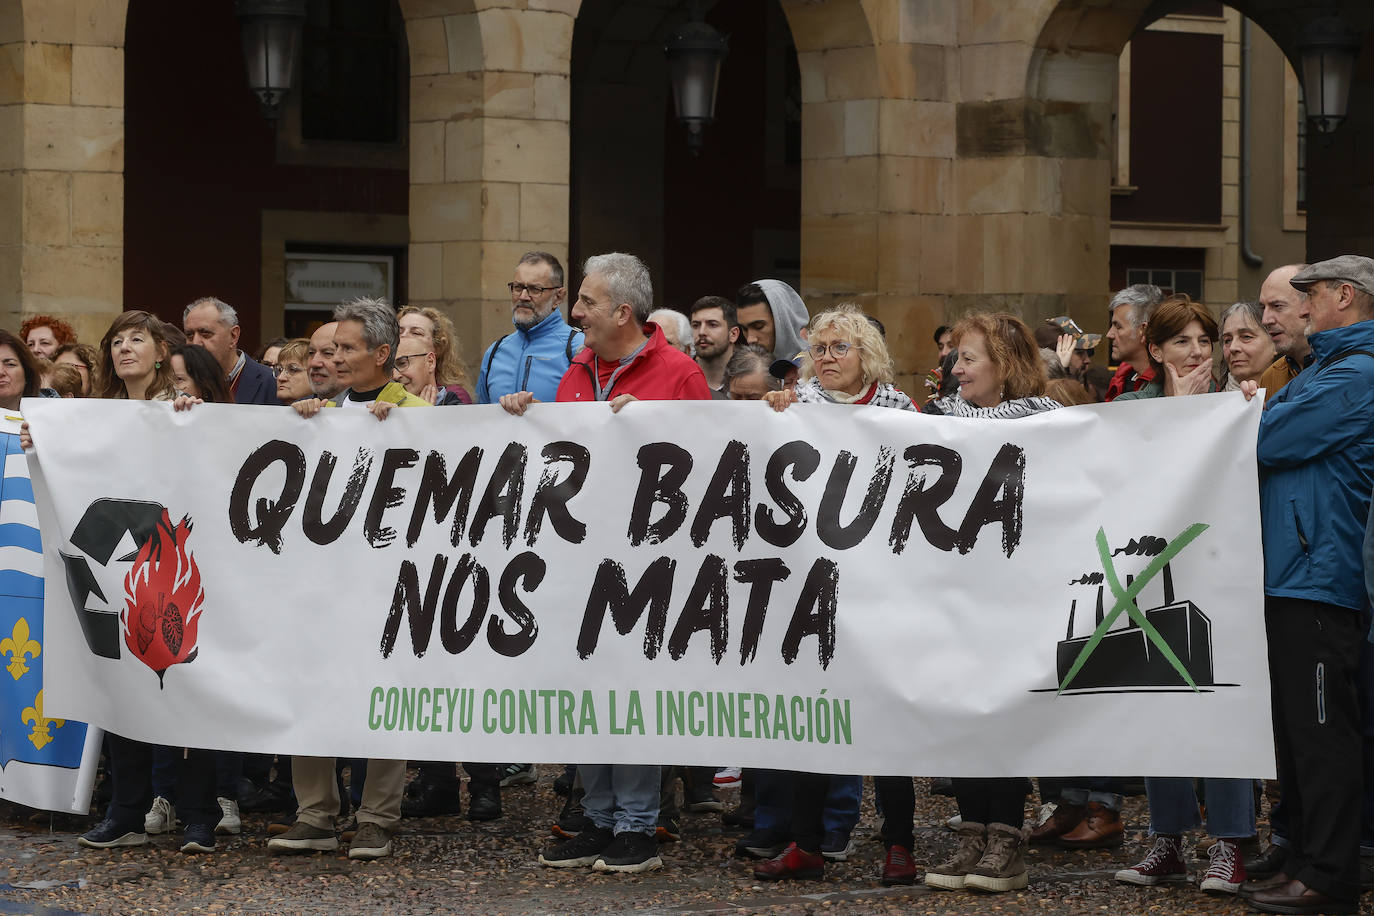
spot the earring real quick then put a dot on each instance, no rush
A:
(157, 365)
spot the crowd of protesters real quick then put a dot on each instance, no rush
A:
(1307, 341)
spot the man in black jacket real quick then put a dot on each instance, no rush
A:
(214, 325)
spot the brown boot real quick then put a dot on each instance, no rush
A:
(1064, 819)
(1100, 828)
(950, 874)
(1003, 865)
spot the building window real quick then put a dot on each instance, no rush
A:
(1179, 281)
(351, 71)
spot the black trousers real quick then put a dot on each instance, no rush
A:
(444, 774)
(897, 797)
(1314, 652)
(131, 769)
(999, 800)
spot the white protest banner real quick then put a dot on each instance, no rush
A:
(45, 761)
(844, 590)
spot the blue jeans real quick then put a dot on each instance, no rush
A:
(621, 797)
(773, 801)
(1174, 809)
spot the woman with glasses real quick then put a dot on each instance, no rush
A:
(292, 371)
(846, 363)
(81, 357)
(1001, 377)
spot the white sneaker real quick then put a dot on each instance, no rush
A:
(230, 822)
(728, 776)
(161, 817)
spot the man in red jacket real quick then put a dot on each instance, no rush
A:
(625, 358)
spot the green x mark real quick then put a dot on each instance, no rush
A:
(1125, 601)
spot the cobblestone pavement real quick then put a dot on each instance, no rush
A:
(449, 865)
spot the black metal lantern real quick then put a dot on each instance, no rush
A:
(1328, 47)
(271, 45)
(694, 53)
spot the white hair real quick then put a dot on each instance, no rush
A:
(678, 321)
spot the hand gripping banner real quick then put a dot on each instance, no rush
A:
(830, 588)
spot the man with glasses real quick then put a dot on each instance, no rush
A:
(536, 354)
(415, 364)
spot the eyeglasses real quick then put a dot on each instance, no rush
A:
(522, 289)
(837, 350)
(279, 370)
(403, 362)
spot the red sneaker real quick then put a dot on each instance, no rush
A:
(1164, 863)
(1226, 871)
(898, 867)
(793, 863)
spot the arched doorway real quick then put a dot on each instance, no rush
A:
(705, 224)
(220, 201)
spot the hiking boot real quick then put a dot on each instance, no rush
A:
(951, 873)
(303, 837)
(428, 799)
(161, 817)
(370, 842)
(109, 833)
(580, 851)
(484, 802)
(761, 844)
(229, 821)
(1063, 820)
(629, 852)
(563, 782)
(1100, 828)
(1225, 869)
(1002, 867)
(1164, 863)
(198, 838)
(898, 867)
(518, 774)
(573, 819)
(794, 863)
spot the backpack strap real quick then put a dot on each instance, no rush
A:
(567, 347)
(1336, 357)
(486, 372)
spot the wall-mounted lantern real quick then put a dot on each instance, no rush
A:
(1328, 48)
(694, 52)
(271, 46)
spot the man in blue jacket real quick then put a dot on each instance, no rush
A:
(537, 353)
(1316, 457)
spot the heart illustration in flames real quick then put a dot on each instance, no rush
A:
(163, 599)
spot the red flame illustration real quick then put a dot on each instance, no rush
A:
(163, 599)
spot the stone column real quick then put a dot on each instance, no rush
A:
(62, 161)
(489, 109)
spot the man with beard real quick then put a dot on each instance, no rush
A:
(536, 354)
(716, 331)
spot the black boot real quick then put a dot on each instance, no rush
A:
(484, 801)
(572, 820)
(430, 799)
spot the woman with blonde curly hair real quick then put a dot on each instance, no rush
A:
(847, 362)
(434, 328)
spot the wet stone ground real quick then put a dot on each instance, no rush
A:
(449, 865)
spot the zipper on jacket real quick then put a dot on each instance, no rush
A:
(1297, 523)
(525, 382)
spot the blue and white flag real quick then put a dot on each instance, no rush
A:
(45, 762)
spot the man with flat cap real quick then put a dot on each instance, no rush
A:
(1316, 458)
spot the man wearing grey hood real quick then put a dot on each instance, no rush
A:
(773, 316)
